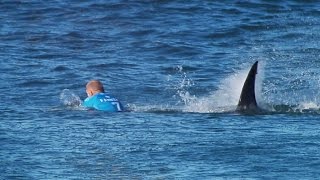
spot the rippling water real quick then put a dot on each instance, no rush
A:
(178, 67)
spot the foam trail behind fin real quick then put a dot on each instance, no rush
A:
(247, 101)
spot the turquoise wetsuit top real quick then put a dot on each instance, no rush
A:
(103, 102)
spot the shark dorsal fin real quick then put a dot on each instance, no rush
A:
(247, 99)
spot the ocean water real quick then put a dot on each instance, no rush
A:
(178, 68)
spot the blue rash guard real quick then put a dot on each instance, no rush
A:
(103, 102)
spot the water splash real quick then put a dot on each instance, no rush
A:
(183, 86)
(308, 106)
(226, 98)
(68, 98)
(179, 84)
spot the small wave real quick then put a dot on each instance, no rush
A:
(152, 108)
(35, 83)
(307, 107)
(60, 68)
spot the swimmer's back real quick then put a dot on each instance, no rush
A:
(103, 102)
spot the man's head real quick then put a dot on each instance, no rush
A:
(93, 87)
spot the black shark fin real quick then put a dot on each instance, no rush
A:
(247, 101)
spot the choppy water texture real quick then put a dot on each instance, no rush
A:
(178, 67)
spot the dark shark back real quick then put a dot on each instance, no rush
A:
(247, 101)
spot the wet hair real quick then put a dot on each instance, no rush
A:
(95, 85)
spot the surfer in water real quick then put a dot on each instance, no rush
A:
(98, 99)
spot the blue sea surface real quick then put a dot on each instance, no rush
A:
(178, 68)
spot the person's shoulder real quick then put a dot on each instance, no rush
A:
(91, 98)
(89, 101)
(101, 95)
(104, 95)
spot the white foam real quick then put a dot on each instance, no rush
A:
(68, 98)
(307, 106)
